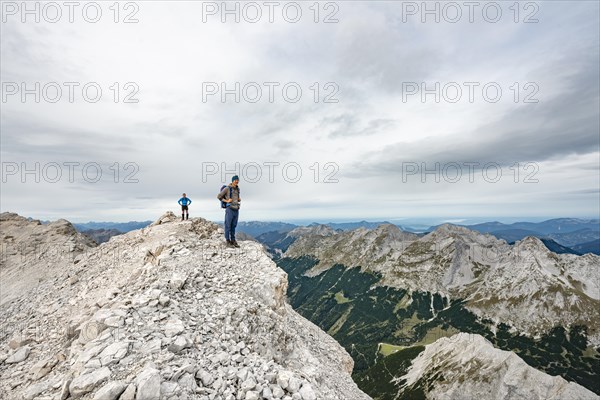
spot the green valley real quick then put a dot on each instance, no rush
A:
(384, 328)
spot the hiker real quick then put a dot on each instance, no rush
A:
(230, 200)
(184, 202)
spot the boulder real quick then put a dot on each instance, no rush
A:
(110, 391)
(85, 383)
(19, 355)
(148, 384)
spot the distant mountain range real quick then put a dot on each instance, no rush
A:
(346, 226)
(561, 235)
(557, 225)
(387, 295)
(588, 247)
(101, 232)
(101, 235)
(576, 236)
(255, 228)
(122, 227)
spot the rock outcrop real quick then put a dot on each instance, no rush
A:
(166, 312)
(31, 251)
(467, 366)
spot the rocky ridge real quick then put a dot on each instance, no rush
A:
(467, 366)
(166, 312)
(524, 285)
(371, 248)
(43, 248)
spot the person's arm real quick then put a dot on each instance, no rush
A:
(190, 200)
(179, 201)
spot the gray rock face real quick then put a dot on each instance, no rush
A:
(168, 313)
(19, 355)
(129, 393)
(32, 251)
(148, 385)
(110, 391)
(87, 382)
(34, 390)
(467, 360)
(180, 343)
(307, 393)
(113, 353)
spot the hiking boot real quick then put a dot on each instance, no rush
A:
(187, 216)
(229, 243)
(182, 217)
(234, 243)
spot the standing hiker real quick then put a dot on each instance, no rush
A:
(184, 202)
(230, 200)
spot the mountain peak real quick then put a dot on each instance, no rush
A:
(451, 228)
(472, 368)
(313, 229)
(531, 242)
(460, 232)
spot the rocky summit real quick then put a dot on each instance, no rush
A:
(165, 312)
(467, 366)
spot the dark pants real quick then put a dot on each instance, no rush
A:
(231, 220)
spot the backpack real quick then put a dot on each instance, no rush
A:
(223, 204)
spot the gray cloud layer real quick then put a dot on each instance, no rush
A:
(368, 133)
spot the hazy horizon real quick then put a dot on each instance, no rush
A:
(408, 221)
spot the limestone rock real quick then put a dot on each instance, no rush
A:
(64, 392)
(252, 395)
(113, 353)
(165, 218)
(129, 393)
(19, 355)
(110, 391)
(307, 393)
(177, 281)
(87, 382)
(162, 311)
(148, 384)
(34, 390)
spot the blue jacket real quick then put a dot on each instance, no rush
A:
(184, 201)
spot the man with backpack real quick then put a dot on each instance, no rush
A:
(230, 201)
(184, 202)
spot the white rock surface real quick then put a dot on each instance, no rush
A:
(148, 384)
(32, 251)
(110, 391)
(19, 355)
(164, 312)
(86, 382)
(473, 369)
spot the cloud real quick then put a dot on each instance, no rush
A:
(549, 130)
(350, 125)
(367, 134)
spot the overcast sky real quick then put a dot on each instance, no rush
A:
(372, 130)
